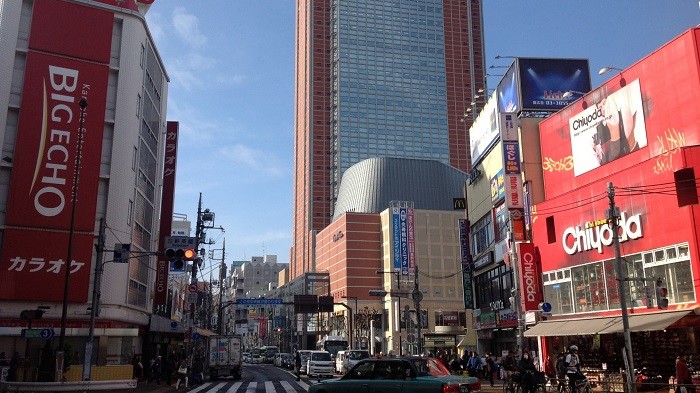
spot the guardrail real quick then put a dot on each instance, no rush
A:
(77, 386)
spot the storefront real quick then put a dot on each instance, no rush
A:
(615, 149)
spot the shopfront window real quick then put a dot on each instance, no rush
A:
(589, 288)
(594, 286)
(559, 295)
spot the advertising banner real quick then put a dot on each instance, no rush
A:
(529, 277)
(498, 188)
(166, 210)
(396, 238)
(467, 278)
(514, 191)
(69, 51)
(46, 148)
(484, 132)
(411, 240)
(509, 127)
(511, 157)
(72, 30)
(34, 263)
(463, 243)
(543, 82)
(608, 130)
(508, 92)
(404, 241)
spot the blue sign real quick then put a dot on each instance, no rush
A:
(259, 302)
(396, 237)
(546, 307)
(508, 92)
(543, 82)
(196, 336)
(47, 334)
(173, 325)
(404, 241)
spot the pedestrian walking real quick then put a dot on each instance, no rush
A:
(182, 371)
(683, 378)
(156, 370)
(297, 364)
(491, 368)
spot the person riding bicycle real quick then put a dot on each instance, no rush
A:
(573, 368)
(527, 369)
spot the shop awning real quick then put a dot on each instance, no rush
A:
(604, 325)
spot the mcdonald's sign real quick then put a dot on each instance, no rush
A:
(459, 203)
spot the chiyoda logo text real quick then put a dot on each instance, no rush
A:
(576, 239)
(530, 283)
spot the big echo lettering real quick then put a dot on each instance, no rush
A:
(50, 198)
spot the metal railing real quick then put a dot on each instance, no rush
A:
(77, 386)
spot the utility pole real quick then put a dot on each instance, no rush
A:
(197, 236)
(96, 289)
(613, 215)
(222, 277)
(515, 303)
(417, 297)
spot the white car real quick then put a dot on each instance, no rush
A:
(256, 358)
(319, 364)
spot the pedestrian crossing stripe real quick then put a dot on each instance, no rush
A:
(251, 387)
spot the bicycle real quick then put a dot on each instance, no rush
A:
(582, 386)
(515, 383)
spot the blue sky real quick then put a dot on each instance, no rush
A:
(231, 69)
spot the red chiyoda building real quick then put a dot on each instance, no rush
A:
(640, 133)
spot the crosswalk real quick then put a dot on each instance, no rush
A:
(251, 387)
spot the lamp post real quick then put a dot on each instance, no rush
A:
(398, 306)
(76, 177)
(30, 315)
(352, 316)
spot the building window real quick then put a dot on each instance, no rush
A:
(593, 286)
(482, 235)
(129, 212)
(138, 105)
(493, 287)
(143, 56)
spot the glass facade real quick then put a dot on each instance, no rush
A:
(593, 286)
(388, 82)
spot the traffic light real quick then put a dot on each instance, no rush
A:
(661, 295)
(178, 257)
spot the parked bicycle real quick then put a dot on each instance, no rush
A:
(515, 383)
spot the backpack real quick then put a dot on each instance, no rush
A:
(560, 366)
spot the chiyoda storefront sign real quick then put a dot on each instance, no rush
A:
(594, 235)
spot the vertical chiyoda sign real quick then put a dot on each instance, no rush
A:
(529, 272)
(59, 72)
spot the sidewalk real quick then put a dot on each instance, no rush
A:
(152, 387)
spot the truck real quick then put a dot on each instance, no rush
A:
(225, 357)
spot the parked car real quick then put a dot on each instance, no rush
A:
(279, 359)
(409, 374)
(289, 362)
(345, 360)
(304, 353)
(256, 358)
(246, 357)
(319, 364)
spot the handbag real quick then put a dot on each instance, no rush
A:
(182, 370)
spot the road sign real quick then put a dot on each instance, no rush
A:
(196, 336)
(191, 298)
(193, 288)
(259, 302)
(44, 334)
(47, 334)
(121, 252)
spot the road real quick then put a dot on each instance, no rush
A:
(256, 378)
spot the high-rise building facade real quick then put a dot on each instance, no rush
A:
(54, 54)
(378, 79)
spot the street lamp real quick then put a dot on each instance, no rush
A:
(30, 315)
(607, 69)
(570, 93)
(76, 176)
(352, 316)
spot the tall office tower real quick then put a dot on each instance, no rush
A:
(378, 78)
